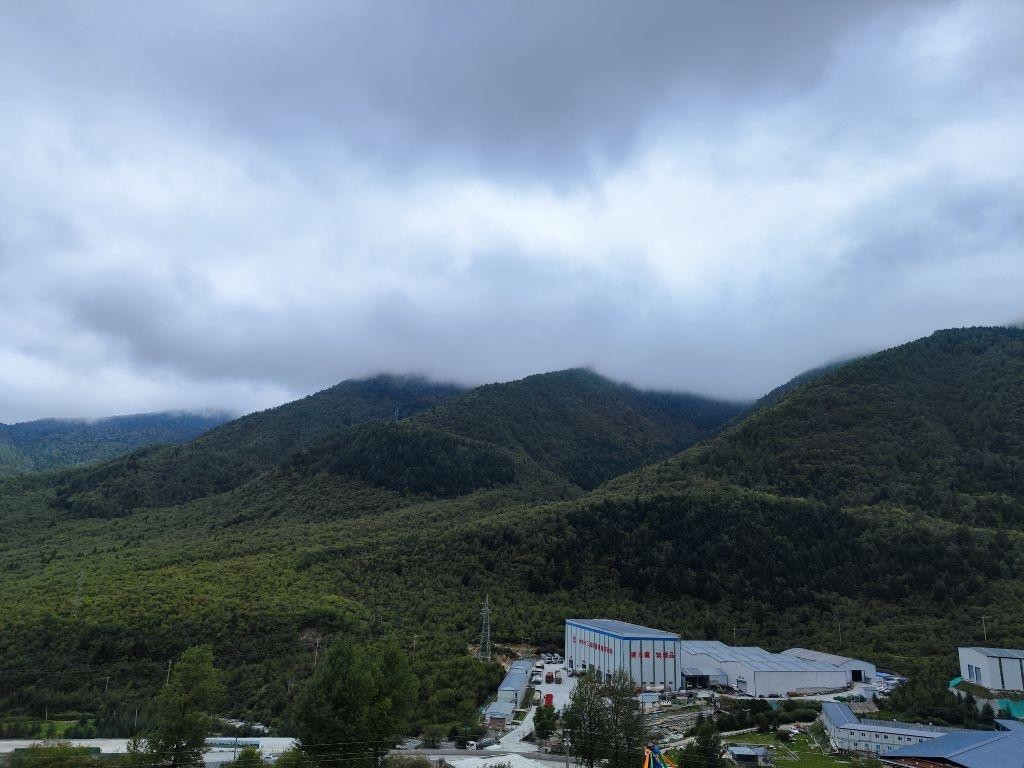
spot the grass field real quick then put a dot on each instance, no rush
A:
(807, 755)
(50, 729)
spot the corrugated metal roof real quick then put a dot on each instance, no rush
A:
(704, 672)
(515, 679)
(970, 749)
(838, 714)
(749, 751)
(623, 629)
(756, 658)
(1005, 653)
(841, 716)
(501, 709)
(828, 658)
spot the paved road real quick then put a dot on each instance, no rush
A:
(560, 692)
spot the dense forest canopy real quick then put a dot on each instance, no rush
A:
(50, 444)
(873, 510)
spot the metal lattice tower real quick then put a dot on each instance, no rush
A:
(485, 630)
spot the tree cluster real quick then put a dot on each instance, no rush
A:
(604, 722)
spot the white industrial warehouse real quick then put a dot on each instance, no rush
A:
(606, 645)
(1000, 669)
(662, 660)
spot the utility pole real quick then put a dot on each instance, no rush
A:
(78, 593)
(485, 630)
(169, 662)
(984, 628)
(565, 747)
(316, 653)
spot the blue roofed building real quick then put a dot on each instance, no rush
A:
(516, 681)
(607, 645)
(965, 749)
(499, 715)
(850, 733)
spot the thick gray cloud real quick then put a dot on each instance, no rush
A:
(230, 204)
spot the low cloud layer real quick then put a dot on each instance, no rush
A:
(233, 204)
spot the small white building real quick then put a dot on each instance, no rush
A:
(860, 671)
(998, 669)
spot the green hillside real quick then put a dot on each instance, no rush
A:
(768, 533)
(239, 450)
(936, 425)
(582, 426)
(49, 444)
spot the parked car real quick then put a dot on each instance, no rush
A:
(549, 678)
(536, 697)
(558, 676)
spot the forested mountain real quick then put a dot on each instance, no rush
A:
(775, 532)
(582, 426)
(936, 426)
(565, 429)
(48, 444)
(239, 450)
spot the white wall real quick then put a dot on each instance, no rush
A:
(1013, 674)
(781, 683)
(647, 661)
(1004, 673)
(867, 668)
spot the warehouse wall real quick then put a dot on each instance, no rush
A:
(649, 662)
(780, 683)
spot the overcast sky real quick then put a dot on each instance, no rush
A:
(230, 204)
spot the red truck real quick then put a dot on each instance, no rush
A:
(549, 699)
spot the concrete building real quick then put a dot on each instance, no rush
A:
(758, 672)
(966, 749)
(999, 669)
(850, 733)
(648, 655)
(516, 681)
(860, 671)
